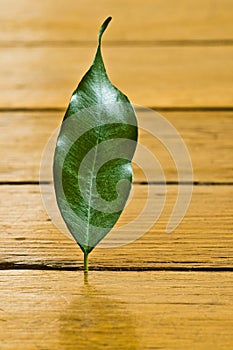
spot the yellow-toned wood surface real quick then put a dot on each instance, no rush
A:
(161, 77)
(49, 21)
(161, 291)
(208, 137)
(203, 239)
(116, 310)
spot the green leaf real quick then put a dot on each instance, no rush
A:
(92, 161)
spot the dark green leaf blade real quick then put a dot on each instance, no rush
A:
(92, 161)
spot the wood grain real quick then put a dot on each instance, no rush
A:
(116, 310)
(53, 21)
(163, 54)
(208, 136)
(161, 77)
(203, 239)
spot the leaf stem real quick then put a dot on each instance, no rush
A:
(85, 262)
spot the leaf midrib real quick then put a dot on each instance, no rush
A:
(93, 167)
(90, 190)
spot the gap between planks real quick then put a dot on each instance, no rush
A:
(142, 183)
(154, 108)
(43, 267)
(115, 43)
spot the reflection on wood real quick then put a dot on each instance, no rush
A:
(94, 320)
(118, 310)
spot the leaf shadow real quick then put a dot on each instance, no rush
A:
(95, 320)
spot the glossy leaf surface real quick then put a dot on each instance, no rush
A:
(92, 162)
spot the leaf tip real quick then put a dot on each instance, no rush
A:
(103, 27)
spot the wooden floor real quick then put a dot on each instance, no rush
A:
(162, 291)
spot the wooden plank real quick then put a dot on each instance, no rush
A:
(116, 310)
(203, 239)
(208, 137)
(161, 77)
(54, 21)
